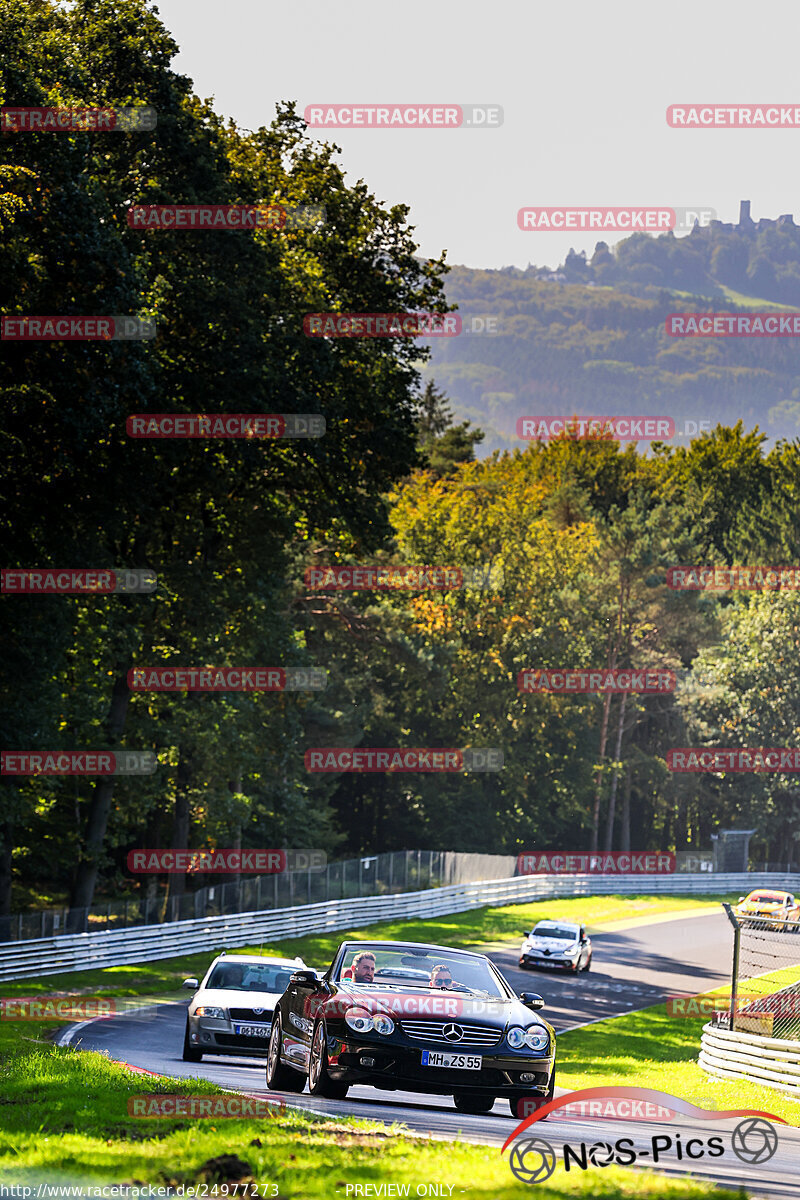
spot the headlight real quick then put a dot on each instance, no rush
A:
(383, 1024)
(359, 1020)
(572, 951)
(537, 1038)
(532, 1038)
(210, 1011)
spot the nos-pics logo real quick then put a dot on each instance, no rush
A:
(534, 1159)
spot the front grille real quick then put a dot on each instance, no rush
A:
(247, 1014)
(433, 1031)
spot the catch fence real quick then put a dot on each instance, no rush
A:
(765, 977)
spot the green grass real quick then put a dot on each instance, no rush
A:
(63, 1113)
(478, 927)
(66, 1121)
(652, 1049)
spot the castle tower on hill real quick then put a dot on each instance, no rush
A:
(746, 224)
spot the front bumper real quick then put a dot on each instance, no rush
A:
(531, 959)
(212, 1035)
(397, 1065)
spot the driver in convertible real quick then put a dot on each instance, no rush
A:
(362, 969)
(441, 977)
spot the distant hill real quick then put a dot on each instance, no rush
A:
(589, 338)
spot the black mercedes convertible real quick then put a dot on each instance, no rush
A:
(412, 1017)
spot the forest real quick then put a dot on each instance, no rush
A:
(573, 539)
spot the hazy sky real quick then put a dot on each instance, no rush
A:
(584, 87)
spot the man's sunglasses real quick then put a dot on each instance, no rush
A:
(443, 979)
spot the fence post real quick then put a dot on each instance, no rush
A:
(737, 929)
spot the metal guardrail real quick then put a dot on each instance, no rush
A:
(772, 1062)
(148, 943)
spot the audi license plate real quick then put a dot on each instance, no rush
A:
(462, 1062)
(253, 1030)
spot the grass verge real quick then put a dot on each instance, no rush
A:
(478, 927)
(652, 1049)
(66, 1122)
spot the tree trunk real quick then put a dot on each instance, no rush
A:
(97, 821)
(176, 882)
(625, 832)
(612, 799)
(599, 777)
(6, 850)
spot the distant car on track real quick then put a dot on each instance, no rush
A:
(764, 902)
(413, 1017)
(231, 1010)
(557, 944)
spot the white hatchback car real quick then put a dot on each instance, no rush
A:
(231, 1010)
(557, 944)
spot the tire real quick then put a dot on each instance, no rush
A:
(474, 1104)
(189, 1052)
(319, 1081)
(281, 1078)
(588, 963)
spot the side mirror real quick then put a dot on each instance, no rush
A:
(304, 978)
(191, 985)
(531, 1000)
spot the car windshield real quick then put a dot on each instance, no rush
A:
(766, 898)
(555, 931)
(416, 967)
(250, 977)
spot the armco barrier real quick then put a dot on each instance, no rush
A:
(773, 1062)
(146, 943)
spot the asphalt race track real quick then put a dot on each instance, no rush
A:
(632, 968)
